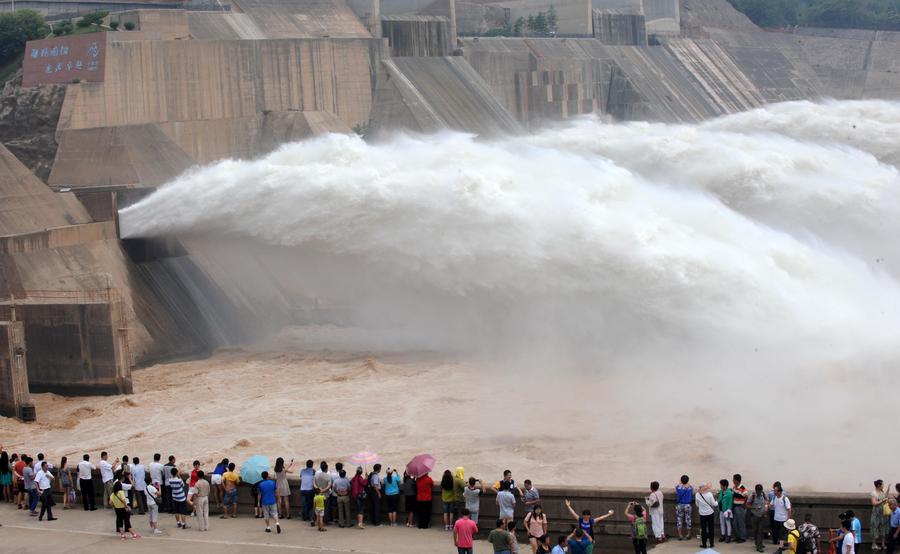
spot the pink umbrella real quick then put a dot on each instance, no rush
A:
(364, 458)
(420, 465)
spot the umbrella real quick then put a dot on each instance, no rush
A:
(364, 458)
(252, 468)
(420, 465)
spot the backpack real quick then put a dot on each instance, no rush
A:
(639, 528)
(804, 543)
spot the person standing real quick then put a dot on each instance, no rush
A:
(856, 525)
(374, 494)
(201, 501)
(424, 492)
(30, 486)
(726, 513)
(319, 508)
(392, 495)
(655, 507)
(506, 502)
(500, 538)
(269, 501)
(409, 498)
(106, 477)
(307, 484)
(893, 535)
(167, 490)
(683, 507)
(848, 544)
(230, 480)
(809, 535)
(179, 499)
(781, 506)
(44, 481)
(740, 494)
(65, 481)
(758, 505)
(706, 506)
(153, 497)
(881, 513)
(635, 514)
(472, 494)
(138, 474)
(283, 488)
(323, 482)
(119, 501)
(342, 489)
(86, 482)
(530, 495)
(459, 485)
(157, 476)
(447, 499)
(586, 521)
(358, 491)
(536, 526)
(463, 532)
(793, 537)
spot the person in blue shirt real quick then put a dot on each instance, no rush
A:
(579, 541)
(856, 528)
(307, 484)
(893, 534)
(269, 501)
(560, 547)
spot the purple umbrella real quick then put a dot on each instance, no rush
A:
(420, 465)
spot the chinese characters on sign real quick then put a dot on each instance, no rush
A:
(65, 60)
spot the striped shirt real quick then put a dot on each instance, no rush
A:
(177, 489)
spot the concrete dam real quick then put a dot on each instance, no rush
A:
(654, 184)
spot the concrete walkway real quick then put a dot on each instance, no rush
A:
(80, 531)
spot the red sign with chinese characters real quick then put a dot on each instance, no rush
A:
(65, 60)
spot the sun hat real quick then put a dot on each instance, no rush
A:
(790, 525)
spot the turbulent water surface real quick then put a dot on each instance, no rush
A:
(754, 256)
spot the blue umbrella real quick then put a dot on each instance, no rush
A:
(252, 468)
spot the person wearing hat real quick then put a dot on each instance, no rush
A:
(793, 536)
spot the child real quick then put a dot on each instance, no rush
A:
(319, 506)
(179, 499)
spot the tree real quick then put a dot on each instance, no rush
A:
(17, 28)
(114, 25)
(95, 18)
(517, 27)
(129, 26)
(64, 27)
(529, 23)
(551, 20)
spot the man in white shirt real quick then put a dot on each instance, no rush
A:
(139, 476)
(44, 482)
(86, 482)
(781, 505)
(106, 476)
(156, 473)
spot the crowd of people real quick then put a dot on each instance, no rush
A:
(330, 496)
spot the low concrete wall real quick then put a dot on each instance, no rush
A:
(824, 508)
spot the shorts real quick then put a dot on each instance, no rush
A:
(21, 486)
(230, 498)
(153, 510)
(320, 513)
(448, 507)
(360, 505)
(192, 491)
(410, 503)
(683, 516)
(270, 511)
(392, 502)
(180, 507)
(506, 514)
(216, 479)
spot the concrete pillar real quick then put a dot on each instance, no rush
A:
(15, 400)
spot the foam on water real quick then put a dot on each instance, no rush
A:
(772, 229)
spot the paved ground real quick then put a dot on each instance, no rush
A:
(79, 531)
